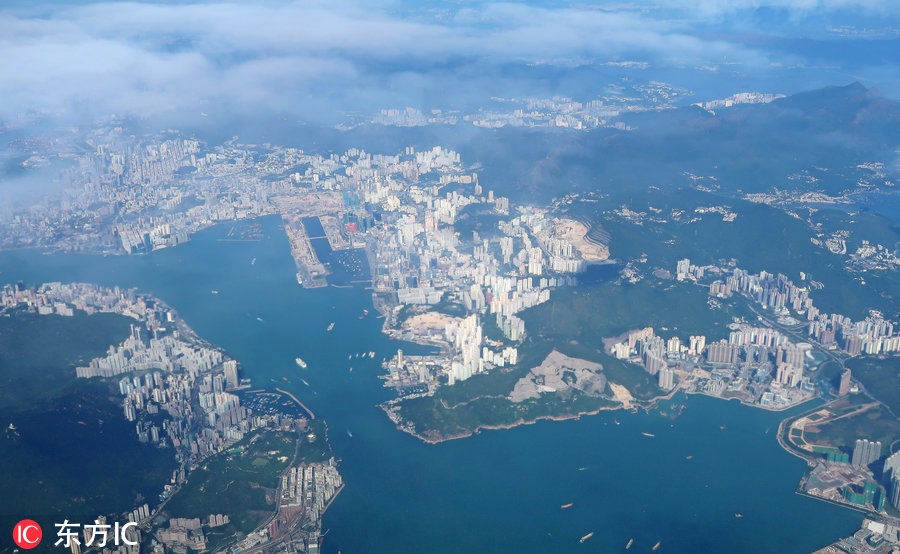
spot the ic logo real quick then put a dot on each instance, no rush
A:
(27, 534)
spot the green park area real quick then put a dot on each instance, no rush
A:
(239, 482)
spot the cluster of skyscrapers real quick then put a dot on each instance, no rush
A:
(873, 335)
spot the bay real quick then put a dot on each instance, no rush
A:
(496, 491)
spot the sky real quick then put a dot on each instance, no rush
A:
(318, 61)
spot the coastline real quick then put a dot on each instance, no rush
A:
(489, 427)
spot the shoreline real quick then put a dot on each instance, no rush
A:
(632, 405)
(496, 427)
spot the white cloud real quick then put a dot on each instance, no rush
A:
(147, 58)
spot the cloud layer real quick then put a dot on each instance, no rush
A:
(317, 59)
(148, 58)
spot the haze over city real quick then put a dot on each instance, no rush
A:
(438, 277)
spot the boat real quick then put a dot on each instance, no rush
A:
(300, 362)
(365, 312)
(582, 469)
(689, 458)
(648, 434)
(350, 357)
(351, 368)
(655, 546)
(330, 326)
(586, 537)
(304, 382)
(630, 542)
(258, 318)
(349, 434)
(371, 354)
(569, 505)
(253, 261)
(214, 292)
(738, 515)
(616, 421)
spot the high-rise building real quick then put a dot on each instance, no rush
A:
(682, 269)
(231, 376)
(892, 465)
(698, 343)
(722, 353)
(894, 491)
(844, 387)
(666, 379)
(788, 374)
(865, 452)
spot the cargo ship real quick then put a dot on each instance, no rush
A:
(330, 326)
(569, 505)
(630, 542)
(300, 362)
(586, 537)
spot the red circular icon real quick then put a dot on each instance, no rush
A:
(27, 534)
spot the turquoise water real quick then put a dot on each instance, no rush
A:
(500, 490)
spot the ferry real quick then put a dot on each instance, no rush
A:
(655, 546)
(586, 537)
(569, 505)
(300, 362)
(330, 326)
(648, 434)
(630, 542)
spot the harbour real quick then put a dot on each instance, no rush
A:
(479, 472)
